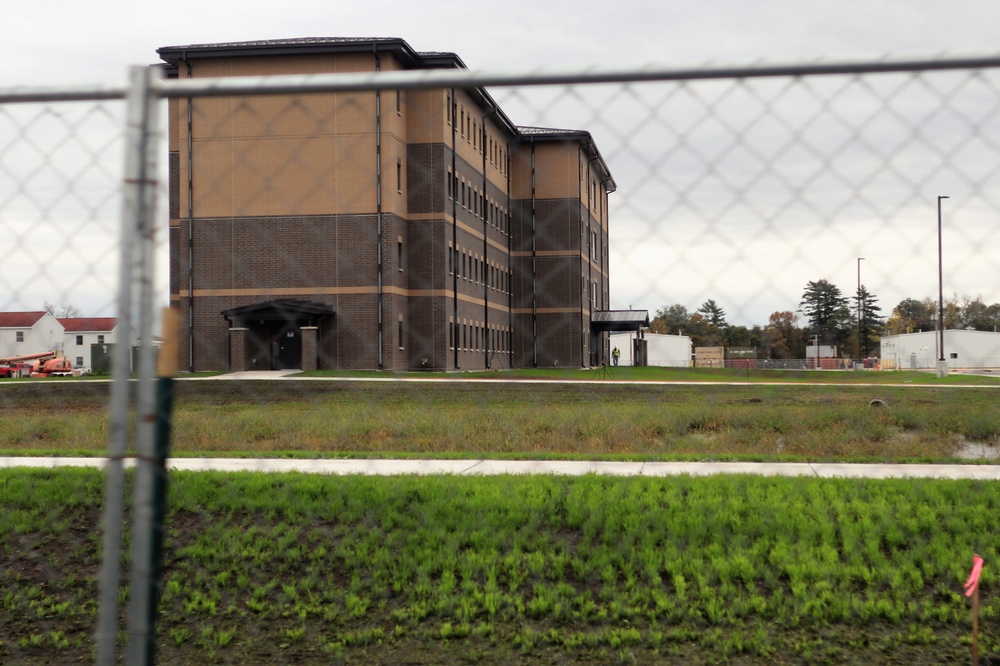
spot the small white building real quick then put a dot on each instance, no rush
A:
(962, 349)
(672, 351)
(82, 332)
(29, 333)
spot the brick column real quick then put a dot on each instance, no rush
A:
(237, 349)
(309, 353)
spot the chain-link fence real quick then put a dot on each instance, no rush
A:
(327, 210)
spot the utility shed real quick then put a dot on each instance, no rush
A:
(668, 351)
(963, 349)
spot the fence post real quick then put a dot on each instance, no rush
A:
(137, 218)
(149, 466)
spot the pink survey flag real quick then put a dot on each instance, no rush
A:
(972, 584)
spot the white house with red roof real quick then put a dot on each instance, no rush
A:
(82, 332)
(29, 333)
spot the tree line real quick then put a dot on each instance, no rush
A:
(824, 316)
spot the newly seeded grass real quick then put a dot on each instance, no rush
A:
(292, 569)
(755, 421)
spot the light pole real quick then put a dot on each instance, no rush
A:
(860, 259)
(942, 366)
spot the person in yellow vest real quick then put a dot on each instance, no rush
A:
(615, 355)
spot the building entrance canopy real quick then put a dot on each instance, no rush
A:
(618, 320)
(301, 313)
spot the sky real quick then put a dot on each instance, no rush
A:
(697, 214)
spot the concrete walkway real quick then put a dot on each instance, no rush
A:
(563, 467)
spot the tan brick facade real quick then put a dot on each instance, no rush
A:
(396, 230)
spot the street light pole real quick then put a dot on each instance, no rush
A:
(860, 259)
(942, 370)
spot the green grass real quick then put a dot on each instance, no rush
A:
(527, 420)
(532, 570)
(661, 374)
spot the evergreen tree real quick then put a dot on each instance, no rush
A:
(827, 312)
(870, 320)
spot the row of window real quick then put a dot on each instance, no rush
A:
(480, 205)
(19, 337)
(480, 138)
(476, 337)
(478, 271)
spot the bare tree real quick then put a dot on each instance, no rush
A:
(63, 310)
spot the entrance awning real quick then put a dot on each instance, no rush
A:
(302, 313)
(618, 320)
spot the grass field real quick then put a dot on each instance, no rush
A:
(610, 420)
(290, 569)
(522, 570)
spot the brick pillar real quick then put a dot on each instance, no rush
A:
(309, 353)
(237, 349)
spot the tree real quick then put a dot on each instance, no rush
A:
(827, 312)
(714, 314)
(63, 311)
(670, 319)
(781, 337)
(870, 322)
(912, 316)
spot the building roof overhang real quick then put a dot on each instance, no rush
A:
(618, 320)
(287, 310)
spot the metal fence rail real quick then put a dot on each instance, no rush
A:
(738, 184)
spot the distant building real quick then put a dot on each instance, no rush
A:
(398, 230)
(29, 333)
(24, 333)
(83, 332)
(962, 349)
(671, 351)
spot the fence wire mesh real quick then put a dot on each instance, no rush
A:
(397, 223)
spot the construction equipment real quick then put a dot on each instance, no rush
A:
(44, 364)
(15, 366)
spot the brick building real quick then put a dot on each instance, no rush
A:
(391, 230)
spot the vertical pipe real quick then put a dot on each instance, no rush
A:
(378, 210)
(454, 228)
(534, 267)
(190, 219)
(140, 109)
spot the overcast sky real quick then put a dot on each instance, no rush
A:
(60, 42)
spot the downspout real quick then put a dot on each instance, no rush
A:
(583, 288)
(454, 229)
(534, 267)
(190, 218)
(378, 207)
(510, 273)
(590, 244)
(486, 231)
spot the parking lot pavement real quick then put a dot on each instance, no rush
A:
(373, 467)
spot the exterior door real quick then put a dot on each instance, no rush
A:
(286, 348)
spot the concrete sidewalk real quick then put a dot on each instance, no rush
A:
(561, 467)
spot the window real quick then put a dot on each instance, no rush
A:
(451, 334)
(19, 336)
(79, 362)
(400, 332)
(451, 189)
(399, 254)
(100, 339)
(399, 102)
(451, 260)
(448, 110)
(399, 175)
(461, 125)
(79, 340)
